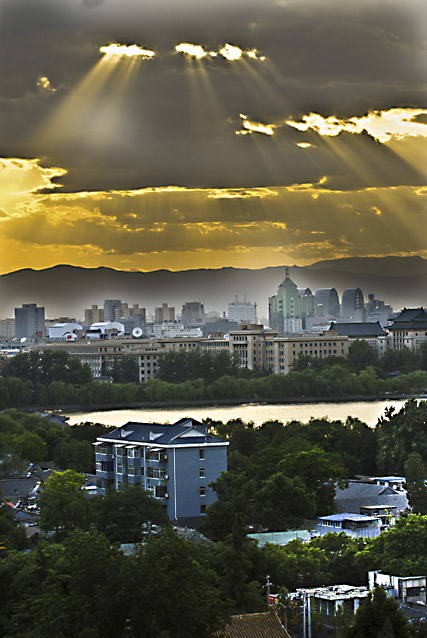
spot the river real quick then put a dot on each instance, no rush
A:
(366, 411)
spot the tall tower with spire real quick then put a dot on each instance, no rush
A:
(284, 305)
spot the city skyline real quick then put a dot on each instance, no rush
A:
(180, 136)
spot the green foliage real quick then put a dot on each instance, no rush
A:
(361, 355)
(297, 564)
(180, 366)
(416, 476)
(126, 370)
(174, 591)
(122, 514)
(399, 434)
(378, 617)
(45, 367)
(399, 550)
(12, 535)
(63, 505)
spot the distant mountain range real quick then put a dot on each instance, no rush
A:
(67, 290)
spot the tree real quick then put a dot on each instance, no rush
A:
(12, 535)
(63, 505)
(376, 616)
(320, 472)
(282, 502)
(234, 565)
(173, 591)
(416, 476)
(399, 434)
(125, 369)
(398, 550)
(361, 355)
(122, 514)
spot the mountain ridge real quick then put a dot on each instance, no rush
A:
(65, 290)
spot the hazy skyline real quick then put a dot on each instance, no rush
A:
(289, 132)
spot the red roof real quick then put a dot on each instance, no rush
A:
(266, 625)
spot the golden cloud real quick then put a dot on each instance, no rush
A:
(127, 51)
(382, 125)
(250, 126)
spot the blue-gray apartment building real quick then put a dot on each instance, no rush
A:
(176, 463)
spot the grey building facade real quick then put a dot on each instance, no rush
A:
(176, 463)
(29, 321)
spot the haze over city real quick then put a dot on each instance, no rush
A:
(182, 135)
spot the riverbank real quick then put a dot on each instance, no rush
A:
(153, 405)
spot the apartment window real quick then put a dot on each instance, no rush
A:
(103, 450)
(119, 468)
(202, 472)
(202, 508)
(202, 490)
(201, 455)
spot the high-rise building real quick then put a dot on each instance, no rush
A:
(306, 303)
(377, 310)
(7, 328)
(93, 315)
(284, 305)
(29, 321)
(242, 311)
(110, 306)
(327, 303)
(353, 305)
(164, 313)
(192, 313)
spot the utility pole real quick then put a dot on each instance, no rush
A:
(268, 589)
(304, 612)
(309, 615)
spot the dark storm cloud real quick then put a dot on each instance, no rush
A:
(174, 126)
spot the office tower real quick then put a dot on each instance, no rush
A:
(327, 303)
(192, 312)
(110, 306)
(29, 321)
(164, 313)
(242, 311)
(353, 304)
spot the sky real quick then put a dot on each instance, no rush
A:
(202, 134)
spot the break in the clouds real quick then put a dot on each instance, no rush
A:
(118, 127)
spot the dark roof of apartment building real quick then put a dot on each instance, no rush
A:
(183, 432)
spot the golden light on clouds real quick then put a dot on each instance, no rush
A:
(253, 54)
(230, 52)
(127, 51)
(250, 126)
(241, 193)
(20, 183)
(44, 83)
(154, 227)
(192, 50)
(382, 125)
(305, 145)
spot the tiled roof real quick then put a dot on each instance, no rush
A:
(184, 432)
(365, 329)
(357, 495)
(265, 625)
(410, 318)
